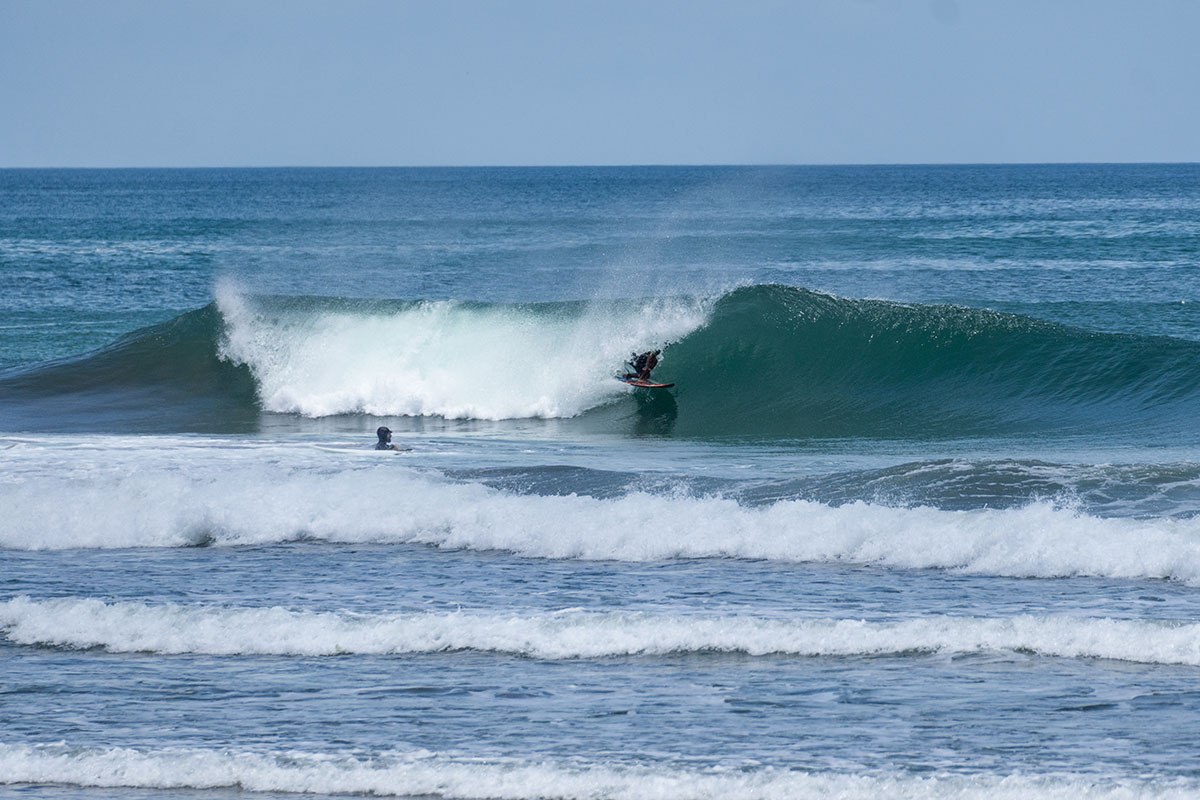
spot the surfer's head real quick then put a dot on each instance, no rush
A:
(383, 433)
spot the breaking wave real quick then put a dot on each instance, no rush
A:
(761, 360)
(425, 774)
(147, 504)
(125, 627)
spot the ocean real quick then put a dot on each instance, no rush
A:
(920, 517)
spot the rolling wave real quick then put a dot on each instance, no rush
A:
(757, 361)
(426, 774)
(130, 627)
(145, 503)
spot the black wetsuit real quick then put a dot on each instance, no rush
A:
(644, 364)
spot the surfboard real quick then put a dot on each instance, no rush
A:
(633, 381)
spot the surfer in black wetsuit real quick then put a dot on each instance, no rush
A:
(644, 364)
(385, 440)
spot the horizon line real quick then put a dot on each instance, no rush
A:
(760, 165)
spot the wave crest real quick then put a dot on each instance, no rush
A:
(222, 504)
(124, 627)
(426, 774)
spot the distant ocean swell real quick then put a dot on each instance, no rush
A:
(238, 504)
(762, 360)
(132, 627)
(426, 774)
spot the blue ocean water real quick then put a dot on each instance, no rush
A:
(919, 518)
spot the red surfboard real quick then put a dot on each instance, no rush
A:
(632, 380)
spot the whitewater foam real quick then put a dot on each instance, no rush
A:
(125, 627)
(422, 773)
(448, 359)
(155, 498)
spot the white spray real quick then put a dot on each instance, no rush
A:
(446, 358)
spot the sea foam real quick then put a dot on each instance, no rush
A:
(125, 627)
(160, 499)
(426, 774)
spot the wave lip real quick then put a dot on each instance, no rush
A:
(125, 627)
(425, 774)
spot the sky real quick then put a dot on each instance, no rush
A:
(111, 83)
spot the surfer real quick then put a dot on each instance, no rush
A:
(385, 440)
(644, 364)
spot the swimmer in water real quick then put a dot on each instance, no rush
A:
(385, 440)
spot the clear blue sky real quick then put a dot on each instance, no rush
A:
(361, 82)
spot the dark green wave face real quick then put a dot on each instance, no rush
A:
(763, 361)
(167, 377)
(778, 361)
